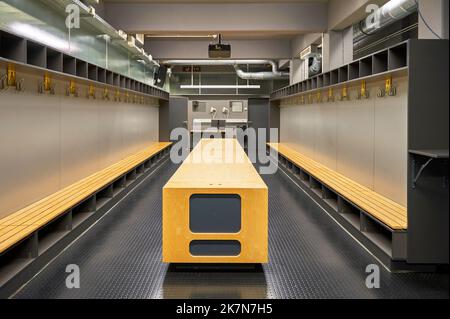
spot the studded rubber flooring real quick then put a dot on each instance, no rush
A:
(310, 257)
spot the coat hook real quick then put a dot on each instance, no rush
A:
(91, 92)
(46, 86)
(106, 94)
(117, 96)
(319, 97)
(9, 79)
(363, 93)
(344, 94)
(389, 89)
(330, 97)
(72, 89)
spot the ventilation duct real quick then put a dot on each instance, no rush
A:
(275, 74)
(392, 11)
(316, 65)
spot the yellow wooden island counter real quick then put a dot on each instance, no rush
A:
(215, 208)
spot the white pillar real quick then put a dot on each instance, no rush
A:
(337, 48)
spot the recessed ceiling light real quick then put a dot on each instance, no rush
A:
(220, 86)
(204, 36)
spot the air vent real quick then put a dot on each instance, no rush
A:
(309, 52)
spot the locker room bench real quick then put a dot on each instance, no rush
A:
(380, 219)
(92, 191)
(215, 209)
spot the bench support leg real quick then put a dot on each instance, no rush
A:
(109, 191)
(89, 206)
(65, 223)
(399, 246)
(29, 249)
(121, 182)
(140, 169)
(131, 176)
(367, 224)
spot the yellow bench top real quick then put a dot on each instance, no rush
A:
(19, 225)
(215, 167)
(385, 210)
(216, 163)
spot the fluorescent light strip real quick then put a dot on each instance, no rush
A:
(180, 36)
(220, 86)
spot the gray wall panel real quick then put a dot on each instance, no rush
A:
(79, 139)
(365, 140)
(49, 142)
(29, 161)
(130, 129)
(391, 144)
(355, 138)
(110, 133)
(326, 139)
(307, 129)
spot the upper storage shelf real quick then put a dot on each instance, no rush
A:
(96, 22)
(389, 60)
(20, 50)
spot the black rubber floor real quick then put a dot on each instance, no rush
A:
(310, 257)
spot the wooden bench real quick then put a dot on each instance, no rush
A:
(385, 210)
(215, 209)
(381, 220)
(23, 223)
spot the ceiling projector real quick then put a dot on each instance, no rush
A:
(219, 50)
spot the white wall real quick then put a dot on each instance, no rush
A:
(297, 71)
(363, 140)
(300, 42)
(435, 12)
(338, 48)
(49, 142)
(225, 17)
(344, 13)
(218, 105)
(299, 68)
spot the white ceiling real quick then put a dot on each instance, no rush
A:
(278, 20)
(226, 35)
(211, 1)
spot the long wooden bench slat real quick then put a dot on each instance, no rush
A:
(151, 150)
(156, 151)
(357, 187)
(362, 199)
(387, 205)
(346, 190)
(11, 235)
(351, 185)
(376, 199)
(26, 216)
(24, 222)
(385, 210)
(69, 189)
(346, 181)
(62, 195)
(88, 189)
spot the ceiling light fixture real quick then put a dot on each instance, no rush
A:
(219, 86)
(183, 36)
